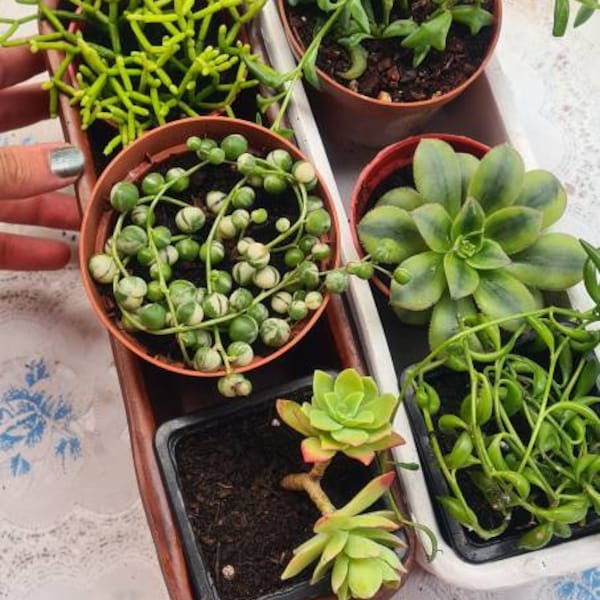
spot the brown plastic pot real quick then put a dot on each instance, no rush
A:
(131, 165)
(371, 122)
(390, 160)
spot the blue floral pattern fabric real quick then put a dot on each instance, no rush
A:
(584, 587)
(28, 413)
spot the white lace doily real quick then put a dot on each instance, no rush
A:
(71, 522)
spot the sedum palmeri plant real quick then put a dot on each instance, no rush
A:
(527, 433)
(471, 236)
(346, 414)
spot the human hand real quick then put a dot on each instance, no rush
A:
(30, 175)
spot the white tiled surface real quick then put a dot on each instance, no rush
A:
(72, 525)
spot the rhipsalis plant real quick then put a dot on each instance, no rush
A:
(471, 236)
(563, 10)
(527, 432)
(217, 269)
(346, 414)
(140, 63)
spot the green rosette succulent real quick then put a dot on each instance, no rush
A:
(471, 237)
(346, 414)
(355, 546)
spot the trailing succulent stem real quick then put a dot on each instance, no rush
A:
(471, 237)
(527, 433)
(346, 414)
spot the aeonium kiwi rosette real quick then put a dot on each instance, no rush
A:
(218, 256)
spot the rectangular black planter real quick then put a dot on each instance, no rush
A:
(467, 545)
(171, 433)
(168, 437)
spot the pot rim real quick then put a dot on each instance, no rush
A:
(371, 170)
(299, 50)
(190, 126)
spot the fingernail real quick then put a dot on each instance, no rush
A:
(66, 162)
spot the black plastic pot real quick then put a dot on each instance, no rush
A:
(167, 438)
(468, 545)
(171, 433)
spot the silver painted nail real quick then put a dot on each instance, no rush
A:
(66, 162)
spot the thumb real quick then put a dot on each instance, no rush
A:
(30, 170)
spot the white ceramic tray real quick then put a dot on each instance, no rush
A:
(485, 112)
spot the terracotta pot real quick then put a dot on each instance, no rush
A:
(387, 162)
(132, 164)
(371, 122)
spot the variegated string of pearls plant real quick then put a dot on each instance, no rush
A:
(262, 288)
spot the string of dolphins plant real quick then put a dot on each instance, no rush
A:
(348, 415)
(527, 433)
(139, 63)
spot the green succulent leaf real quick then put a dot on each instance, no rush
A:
(370, 390)
(543, 191)
(322, 384)
(364, 577)
(361, 547)
(470, 219)
(350, 404)
(310, 66)
(500, 295)
(406, 198)
(498, 179)
(462, 279)
(320, 420)
(514, 227)
(372, 492)
(339, 572)
(335, 544)
(426, 285)
(430, 33)
(446, 317)
(433, 223)
(390, 576)
(363, 455)
(474, 17)
(291, 414)
(491, 256)
(335, 521)
(352, 437)
(389, 234)
(399, 28)
(383, 537)
(391, 558)
(468, 166)
(313, 452)
(347, 382)
(383, 407)
(554, 262)
(437, 174)
(304, 555)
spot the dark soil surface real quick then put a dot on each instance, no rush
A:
(240, 516)
(389, 65)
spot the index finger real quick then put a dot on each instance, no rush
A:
(19, 64)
